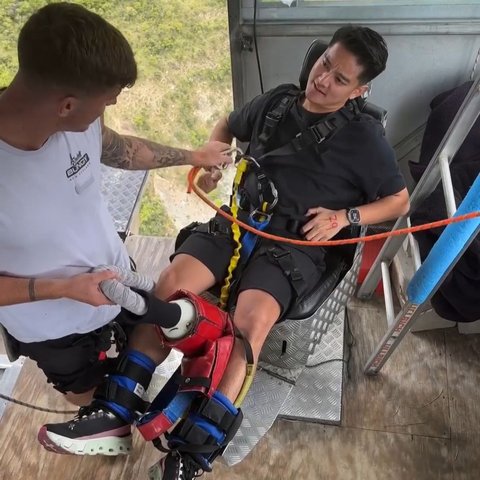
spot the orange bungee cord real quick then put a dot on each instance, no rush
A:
(192, 174)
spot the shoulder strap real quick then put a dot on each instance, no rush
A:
(318, 132)
(277, 114)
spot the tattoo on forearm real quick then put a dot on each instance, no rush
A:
(132, 153)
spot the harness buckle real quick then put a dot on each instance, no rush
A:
(321, 131)
(214, 227)
(119, 336)
(258, 216)
(278, 253)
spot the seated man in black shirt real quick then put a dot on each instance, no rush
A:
(349, 178)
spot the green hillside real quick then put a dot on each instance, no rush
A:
(184, 84)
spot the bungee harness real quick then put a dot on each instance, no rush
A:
(255, 194)
(259, 199)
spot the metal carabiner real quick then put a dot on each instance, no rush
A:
(231, 151)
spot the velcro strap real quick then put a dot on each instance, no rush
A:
(214, 411)
(111, 391)
(133, 371)
(194, 439)
(192, 434)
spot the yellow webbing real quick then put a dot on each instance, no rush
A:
(242, 166)
(247, 383)
(241, 169)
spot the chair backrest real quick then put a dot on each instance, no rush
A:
(315, 50)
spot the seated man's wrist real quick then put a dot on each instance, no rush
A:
(343, 218)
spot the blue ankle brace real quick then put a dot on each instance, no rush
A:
(197, 421)
(131, 385)
(210, 427)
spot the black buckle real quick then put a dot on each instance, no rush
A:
(295, 275)
(321, 131)
(273, 116)
(119, 335)
(277, 253)
(214, 227)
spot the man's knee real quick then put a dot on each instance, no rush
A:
(168, 282)
(184, 273)
(256, 313)
(145, 339)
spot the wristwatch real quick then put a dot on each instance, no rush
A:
(353, 216)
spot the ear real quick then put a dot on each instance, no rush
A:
(358, 92)
(66, 106)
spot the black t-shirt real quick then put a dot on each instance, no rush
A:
(354, 167)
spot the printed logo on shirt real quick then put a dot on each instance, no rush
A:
(78, 162)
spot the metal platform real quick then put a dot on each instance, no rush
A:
(122, 190)
(317, 395)
(9, 373)
(312, 393)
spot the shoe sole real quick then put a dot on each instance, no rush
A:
(110, 446)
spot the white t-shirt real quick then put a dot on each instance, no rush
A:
(54, 223)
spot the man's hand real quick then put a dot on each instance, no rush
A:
(212, 154)
(85, 288)
(209, 179)
(324, 224)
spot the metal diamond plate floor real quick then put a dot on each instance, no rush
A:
(317, 395)
(9, 374)
(122, 189)
(313, 393)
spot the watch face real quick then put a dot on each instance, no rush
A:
(353, 216)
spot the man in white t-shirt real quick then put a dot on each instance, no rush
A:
(54, 225)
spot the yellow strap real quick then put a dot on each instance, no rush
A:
(247, 383)
(225, 291)
(250, 368)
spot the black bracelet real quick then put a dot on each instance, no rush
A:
(31, 290)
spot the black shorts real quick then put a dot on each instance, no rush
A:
(261, 272)
(75, 363)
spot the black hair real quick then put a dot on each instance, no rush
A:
(368, 46)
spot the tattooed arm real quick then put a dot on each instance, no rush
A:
(133, 153)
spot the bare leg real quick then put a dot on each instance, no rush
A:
(186, 273)
(255, 315)
(80, 399)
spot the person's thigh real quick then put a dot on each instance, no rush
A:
(264, 273)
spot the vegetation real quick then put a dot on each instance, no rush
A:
(154, 219)
(184, 84)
